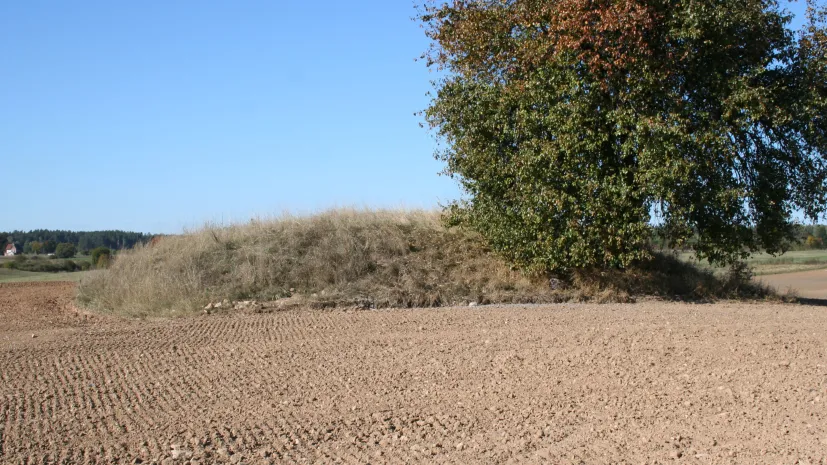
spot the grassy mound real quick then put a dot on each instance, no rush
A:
(362, 258)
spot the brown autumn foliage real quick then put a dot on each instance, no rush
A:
(605, 34)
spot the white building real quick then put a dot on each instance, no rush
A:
(11, 250)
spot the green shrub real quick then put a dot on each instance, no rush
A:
(101, 256)
(65, 250)
(48, 266)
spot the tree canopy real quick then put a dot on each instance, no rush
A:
(577, 127)
(65, 250)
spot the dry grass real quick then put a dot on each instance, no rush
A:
(348, 257)
(362, 258)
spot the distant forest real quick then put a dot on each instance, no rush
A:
(83, 240)
(807, 236)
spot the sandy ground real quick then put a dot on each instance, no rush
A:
(643, 383)
(807, 284)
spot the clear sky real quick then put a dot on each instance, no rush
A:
(157, 115)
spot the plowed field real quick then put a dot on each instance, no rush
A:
(809, 284)
(644, 383)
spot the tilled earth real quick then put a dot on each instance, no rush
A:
(644, 383)
(810, 284)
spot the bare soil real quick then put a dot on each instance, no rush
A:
(641, 383)
(808, 284)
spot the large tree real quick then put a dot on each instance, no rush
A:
(65, 250)
(37, 247)
(576, 127)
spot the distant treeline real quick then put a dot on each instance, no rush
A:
(810, 236)
(83, 240)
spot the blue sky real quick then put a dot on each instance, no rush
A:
(153, 116)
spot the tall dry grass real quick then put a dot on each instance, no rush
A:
(382, 258)
(346, 257)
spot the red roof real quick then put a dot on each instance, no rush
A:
(9, 247)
